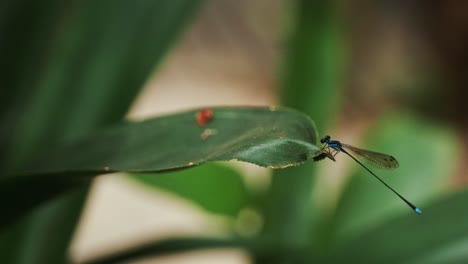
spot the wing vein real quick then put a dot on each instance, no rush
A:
(375, 158)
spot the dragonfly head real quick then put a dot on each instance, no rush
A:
(325, 139)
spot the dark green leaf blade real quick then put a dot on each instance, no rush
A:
(267, 137)
(275, 138)
(74, 67)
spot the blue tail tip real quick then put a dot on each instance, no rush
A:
(417, 210)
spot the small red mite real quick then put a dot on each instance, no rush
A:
(204, 116)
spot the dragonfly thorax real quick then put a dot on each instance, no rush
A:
(334, 144)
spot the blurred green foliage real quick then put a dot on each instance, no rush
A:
(312, 74)
(257, 135)
(70, 69)
(215, 187)
(418, 180)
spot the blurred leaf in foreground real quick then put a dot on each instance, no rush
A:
(71, 68)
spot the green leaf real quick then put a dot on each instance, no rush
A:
(99, 64)
(426, 154)
(80, 69)
(215, 187)
(26, 29)
(437, 236)
(274, 138)
(315, 62)
(267, 137)
(311, 83)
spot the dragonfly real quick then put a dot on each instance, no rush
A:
(333, 147)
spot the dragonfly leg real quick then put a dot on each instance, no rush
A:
(335, 152)
(325, 148)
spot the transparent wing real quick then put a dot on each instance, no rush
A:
(378, 159)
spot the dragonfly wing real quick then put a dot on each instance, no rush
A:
(379, 159)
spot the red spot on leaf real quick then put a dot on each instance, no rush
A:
(204, 116)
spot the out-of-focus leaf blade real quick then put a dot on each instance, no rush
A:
(427, 157)
(311, 83)
(263, 136)
(215, 187)
(171, 246)
(100, 63)
(412, 239)
(315, 61)
(81, 74)
(26, 29)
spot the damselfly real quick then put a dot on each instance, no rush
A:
(333, 147)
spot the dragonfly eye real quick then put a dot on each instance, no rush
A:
(325, 139)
